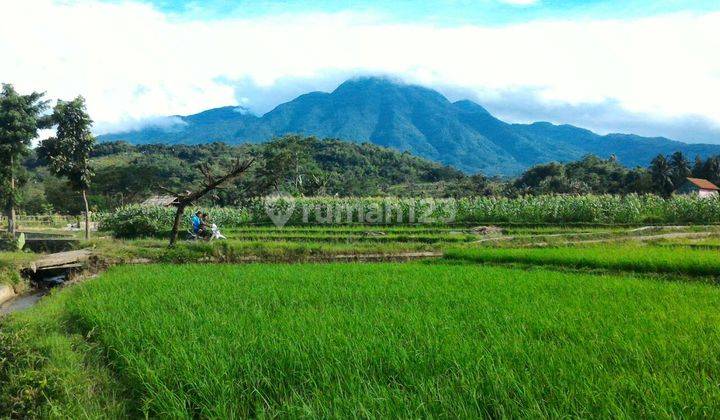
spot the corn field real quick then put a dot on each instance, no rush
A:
(137, 220)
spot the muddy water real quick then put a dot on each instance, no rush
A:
(21, 302)
(26, 300)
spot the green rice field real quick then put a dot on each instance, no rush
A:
(365, 340)
(623, 257)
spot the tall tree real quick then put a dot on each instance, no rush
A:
(68, 153)
(698, 167)
(662, 176)
(711, 169)
(20, 118)
(680, 168)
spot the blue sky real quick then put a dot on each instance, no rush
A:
(444, 12)
(645, 67)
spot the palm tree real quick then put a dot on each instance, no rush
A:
(711, 169)
(697, 170)
(662, 176)
(680, 168)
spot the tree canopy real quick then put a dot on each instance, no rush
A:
(20, 119)
(68, 153)
(307, 166)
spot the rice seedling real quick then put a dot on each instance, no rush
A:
(400, 340)
(623, 257)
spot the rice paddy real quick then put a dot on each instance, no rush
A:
(408, 340)
(525, 321)
(625, 257)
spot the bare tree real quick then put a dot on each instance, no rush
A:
(210, 182)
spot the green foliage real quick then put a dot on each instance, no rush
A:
(20, 118)
(20, 243)
(25, 388)
(7, 242)
(11, 261)
(68, 154)
(398, 340)
(10, 243)
(47, 371)
(413, 118)
(602, 209)
(127, 174)
(662, 176)
(680, 169)
(710, 169)
(638, 258)
(308, 167)
(147, 221)
(134, 220)
(138, 221)
(589, 175)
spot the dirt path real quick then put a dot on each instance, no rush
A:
(628, 235)
(549, 235)
(395, 257)
(644, 238)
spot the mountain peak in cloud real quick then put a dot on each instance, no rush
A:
(415, 119)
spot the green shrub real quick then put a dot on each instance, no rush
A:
(138, 221)
(146, 221)
(11, 244)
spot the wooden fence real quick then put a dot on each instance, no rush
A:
(53, 220)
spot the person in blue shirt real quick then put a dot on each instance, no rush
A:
(196, 222)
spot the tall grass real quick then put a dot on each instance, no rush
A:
(10, 265)
(401, 340)
(628, 257)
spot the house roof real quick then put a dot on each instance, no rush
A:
(159, 200)
(703, 184)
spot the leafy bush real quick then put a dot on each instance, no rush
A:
(137, 221)
(11, 244)
(143, 221)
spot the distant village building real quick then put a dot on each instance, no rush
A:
(699, 187)
(160, 200)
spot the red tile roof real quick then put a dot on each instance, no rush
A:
(703, 184)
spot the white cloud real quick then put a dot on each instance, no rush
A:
(165, 123)
(132, 62)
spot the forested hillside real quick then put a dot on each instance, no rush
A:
(307, 166)
(416, 119)
(295, 165)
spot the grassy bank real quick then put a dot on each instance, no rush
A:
(10, 264)
(238, 250)
(624, 257)
(49, 370)
(295, 244)
(379, 340)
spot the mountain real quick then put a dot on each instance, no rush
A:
(414, 119)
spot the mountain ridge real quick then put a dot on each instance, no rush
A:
(416, 119)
